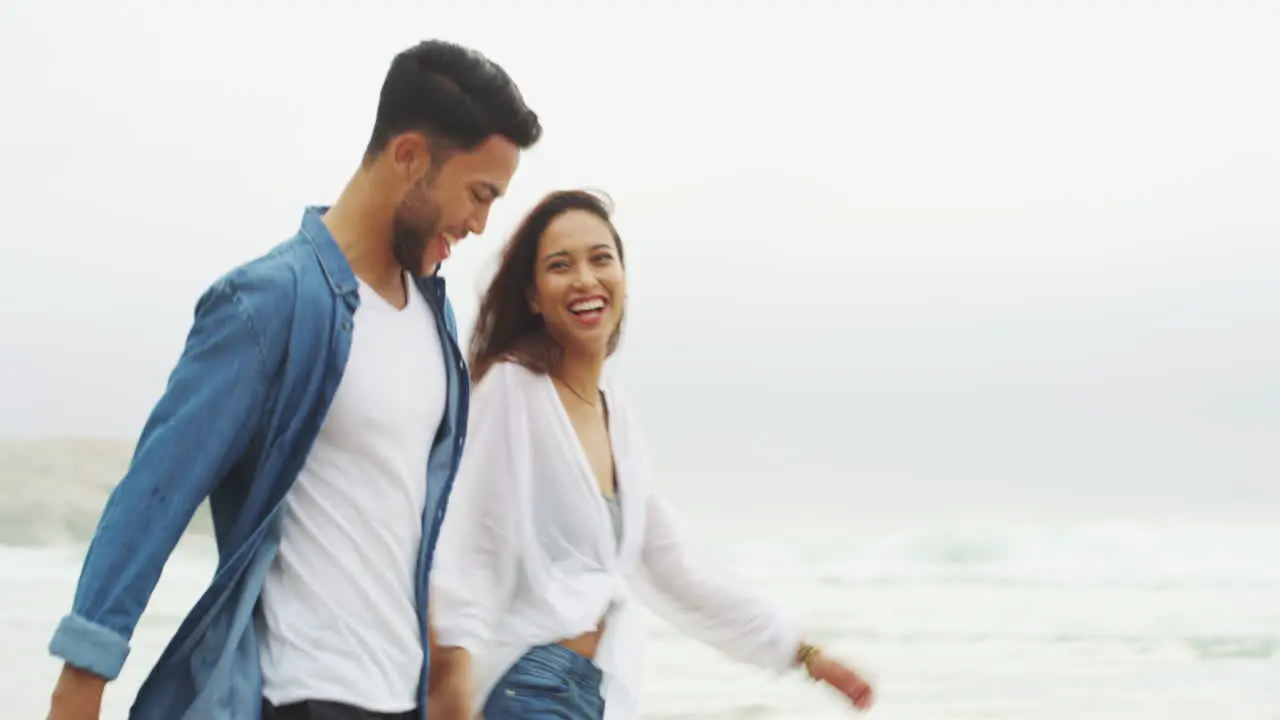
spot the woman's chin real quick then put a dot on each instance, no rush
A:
(587, 344)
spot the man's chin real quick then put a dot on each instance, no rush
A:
(417, 260)
(430, 264)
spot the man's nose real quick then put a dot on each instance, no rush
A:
(477, 222)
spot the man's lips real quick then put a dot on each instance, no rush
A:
(447, 241)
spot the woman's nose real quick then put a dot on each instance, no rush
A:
(584, 277)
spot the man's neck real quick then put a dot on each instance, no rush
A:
(362, 229)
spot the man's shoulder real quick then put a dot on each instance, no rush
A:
(270, 289)
(271, 283)
(276, 272)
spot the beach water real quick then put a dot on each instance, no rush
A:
(1132, 623)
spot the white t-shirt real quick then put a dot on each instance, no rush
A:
(339, 615)
(527, 553)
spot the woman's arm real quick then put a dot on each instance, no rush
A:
(474, 570)
(718, 610)
(449, 679)
(705, 602)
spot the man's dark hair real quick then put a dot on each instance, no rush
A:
(454, 95)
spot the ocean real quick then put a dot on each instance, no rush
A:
(1021, 621)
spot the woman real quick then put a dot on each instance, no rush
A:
(553, 520)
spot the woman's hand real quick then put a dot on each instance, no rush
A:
(844, 680)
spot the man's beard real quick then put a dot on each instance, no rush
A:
(416, 223)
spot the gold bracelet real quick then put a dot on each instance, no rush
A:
(806, 655)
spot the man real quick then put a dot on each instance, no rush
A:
(320, 404)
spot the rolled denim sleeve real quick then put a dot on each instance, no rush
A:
(198, 429)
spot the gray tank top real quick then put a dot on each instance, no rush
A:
(615, 514)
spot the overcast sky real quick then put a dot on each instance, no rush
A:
(986, 252)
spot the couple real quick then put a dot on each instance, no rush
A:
(321, 404)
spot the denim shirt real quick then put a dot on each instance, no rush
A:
(240, 412)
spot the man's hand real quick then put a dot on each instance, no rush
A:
(77, 696)
(843, 679)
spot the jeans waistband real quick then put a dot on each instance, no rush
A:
(564, 662)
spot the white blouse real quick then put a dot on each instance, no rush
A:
(527, 554)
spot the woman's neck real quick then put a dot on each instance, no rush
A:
(581, 372)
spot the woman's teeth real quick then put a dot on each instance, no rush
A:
(587, 306)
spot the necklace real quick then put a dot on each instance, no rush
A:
(576, 394)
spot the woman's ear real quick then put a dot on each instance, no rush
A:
(533, 304)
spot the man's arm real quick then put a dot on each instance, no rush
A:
(197, 430)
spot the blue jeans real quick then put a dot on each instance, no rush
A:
(549, 681)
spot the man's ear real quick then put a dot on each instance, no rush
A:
(411, 155)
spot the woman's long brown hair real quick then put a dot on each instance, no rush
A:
(506, 329)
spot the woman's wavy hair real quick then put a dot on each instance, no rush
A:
(506, 329)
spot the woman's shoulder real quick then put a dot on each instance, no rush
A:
(615, 392)
(611, 383)
(507, 376)
(621, 412)
(505, 397)
(513, 370)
